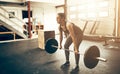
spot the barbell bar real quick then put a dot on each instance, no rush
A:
(99, 58)
(91, 55)
(66, 49)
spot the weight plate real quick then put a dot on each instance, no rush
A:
(90, 55)
(48, 45)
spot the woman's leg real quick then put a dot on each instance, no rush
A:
(67, 44)
(76, 35)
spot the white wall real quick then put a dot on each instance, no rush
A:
(44, 13)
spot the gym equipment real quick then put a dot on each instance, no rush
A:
(91, 56)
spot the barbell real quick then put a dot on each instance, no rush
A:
(91, 55)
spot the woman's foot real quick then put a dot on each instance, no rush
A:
(66, 64)
(76, 69)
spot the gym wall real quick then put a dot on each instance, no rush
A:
(103, 11)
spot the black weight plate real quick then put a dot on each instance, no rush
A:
(89, 57)
(48, 45)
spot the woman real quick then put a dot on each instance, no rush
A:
(73, 35)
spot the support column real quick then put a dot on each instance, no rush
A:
(115, 20)
(118, 18)
(29, 21)
(65, 9)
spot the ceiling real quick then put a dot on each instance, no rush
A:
(56, 2)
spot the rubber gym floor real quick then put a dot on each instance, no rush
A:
(24, 57)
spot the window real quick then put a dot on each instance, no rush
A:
(73, 8)
(89, 9)
(103, 4)
(11, 14)
(103, 14)
(72, 16)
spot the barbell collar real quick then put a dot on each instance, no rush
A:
(101, 59)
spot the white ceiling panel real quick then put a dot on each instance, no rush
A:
(56, 2)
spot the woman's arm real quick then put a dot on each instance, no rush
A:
(61, 38)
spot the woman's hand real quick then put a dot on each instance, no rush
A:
(60, 47)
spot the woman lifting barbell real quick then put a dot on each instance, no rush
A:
(73, 34)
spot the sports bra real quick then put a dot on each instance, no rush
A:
(64, 29)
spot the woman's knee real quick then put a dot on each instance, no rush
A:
(68, 42)
(66, 46)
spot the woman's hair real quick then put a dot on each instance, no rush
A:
(62, 15)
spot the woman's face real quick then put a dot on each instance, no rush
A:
(58, 18)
